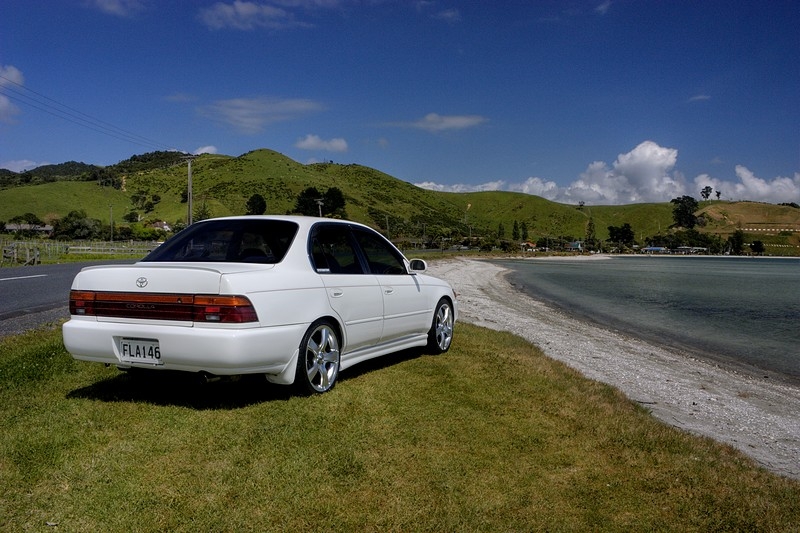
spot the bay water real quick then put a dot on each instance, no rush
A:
(743, 312)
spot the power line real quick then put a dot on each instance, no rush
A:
(52, 107)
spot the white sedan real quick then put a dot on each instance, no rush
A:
(294, 298)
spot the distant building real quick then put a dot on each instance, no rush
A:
(655, 250)
(689, 250)
(161, 225)
(47, 229)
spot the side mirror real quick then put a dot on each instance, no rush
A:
(418, 266)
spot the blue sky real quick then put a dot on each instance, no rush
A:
(605, 101)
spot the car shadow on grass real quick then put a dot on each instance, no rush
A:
(183, 389)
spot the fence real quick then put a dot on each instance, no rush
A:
(33, 252)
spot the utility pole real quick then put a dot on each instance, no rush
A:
(189, 158)
(320, 203)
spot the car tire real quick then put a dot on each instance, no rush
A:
(440, 336)
(318, 360)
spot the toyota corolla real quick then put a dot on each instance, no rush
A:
(294, 298)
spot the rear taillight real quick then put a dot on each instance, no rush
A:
(224, 309)
(183, 307)
(81, 303)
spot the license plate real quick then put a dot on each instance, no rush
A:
(140, 351)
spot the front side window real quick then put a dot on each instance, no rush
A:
(238, 241)
(381, 255)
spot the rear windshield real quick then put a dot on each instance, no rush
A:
(229, 241)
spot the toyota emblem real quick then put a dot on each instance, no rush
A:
(141, 283)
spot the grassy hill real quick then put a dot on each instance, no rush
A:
(225, 183)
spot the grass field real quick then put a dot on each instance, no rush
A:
(492, 436)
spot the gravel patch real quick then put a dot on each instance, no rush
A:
(761, 418)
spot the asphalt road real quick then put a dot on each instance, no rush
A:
(33, 296)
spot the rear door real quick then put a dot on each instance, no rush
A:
(354, 294)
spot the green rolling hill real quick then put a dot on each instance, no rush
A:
(225, 183)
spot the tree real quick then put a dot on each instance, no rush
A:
(591, 236)
(311, 202)
(706, 192)
(27, 218)
(736, 242)
(501, 231)
(718, 194)
(76, 225)
(757, 247)
(106, 178)
(524, 230)
(334, 203)
(306, 203)
(515, 231)
(202, 212)
(256, 205)
(622, 235)
(683, 212)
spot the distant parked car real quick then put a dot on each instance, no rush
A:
(295, 298)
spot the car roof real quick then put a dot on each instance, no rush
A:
(304, 222)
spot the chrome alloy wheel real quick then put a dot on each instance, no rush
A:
(441, 333)
(320, 357)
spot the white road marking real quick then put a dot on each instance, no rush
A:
(24, 277)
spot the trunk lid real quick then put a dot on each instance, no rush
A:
(184, 278)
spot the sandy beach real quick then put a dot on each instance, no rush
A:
(758, 416)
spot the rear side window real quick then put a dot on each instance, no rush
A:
(332, 250)
(236, 241)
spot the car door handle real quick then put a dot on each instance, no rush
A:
(388, 290)
(336, 293)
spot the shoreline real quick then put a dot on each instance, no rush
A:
(726, 361)
(757, 417)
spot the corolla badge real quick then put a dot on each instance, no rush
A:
(141, 282)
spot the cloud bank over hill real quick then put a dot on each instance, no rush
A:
(645, 174)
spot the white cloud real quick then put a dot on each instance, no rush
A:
(434, 122)
(314, 142)
(498, 185)
(448, 15)
(9, 76)
(241, 15)
(748, 186)
(119, 8)
(699, 98)
(210, 149)
(603, 8)
(537, 187)
(251, 115)
(21, 165)
(645, 174)
(780, 189)
(12, 75)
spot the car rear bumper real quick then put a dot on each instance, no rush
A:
(216, 350)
